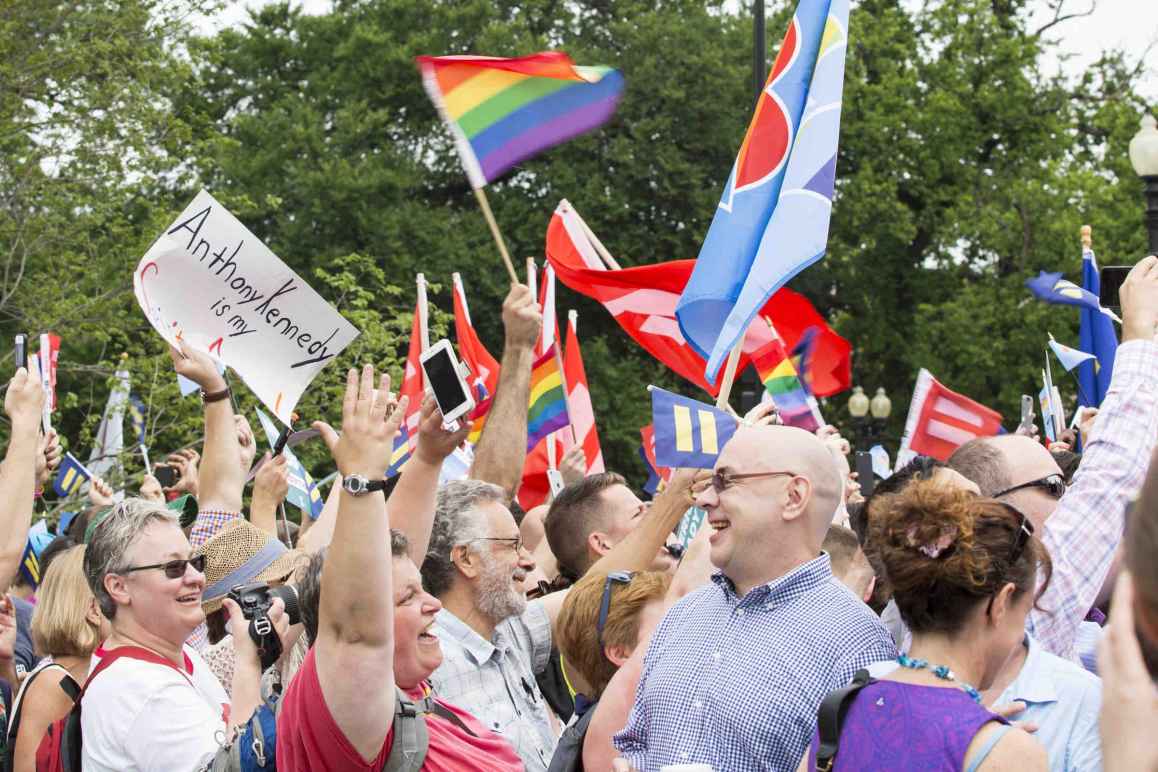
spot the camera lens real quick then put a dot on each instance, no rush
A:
(289, 596)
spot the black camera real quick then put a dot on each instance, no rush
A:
(255, 601)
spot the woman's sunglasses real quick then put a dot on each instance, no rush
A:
(174, 569)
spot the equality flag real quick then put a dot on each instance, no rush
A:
(1069, 357)
(301, 485)
(643, 301)
(70, 477)
(772, 220)
(1052, 288)
(110, 439)
(941, 420)
(484, 368)
(579, 399)
(1096, 335)
(137, 417)
(39, 538)
(503, 111)
(781, 381)
(401, 453)
(656, 473)
(688, 433)
(547, 411)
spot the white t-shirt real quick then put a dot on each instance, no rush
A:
(142, 716)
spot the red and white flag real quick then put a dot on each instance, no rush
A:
(412, 381)
(643, 300)
(484, 368)
(579, 399)
(941, 420)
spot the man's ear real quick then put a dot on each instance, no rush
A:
(617, 654)
(868, 591)
(799, 492)
(598, 543)
(466, 561)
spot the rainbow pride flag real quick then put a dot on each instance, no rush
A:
(548, 405)
(478, 416)
(777, 372)
(503, 111)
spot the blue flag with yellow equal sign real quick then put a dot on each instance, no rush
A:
(772, 219)
(302, 493)
(137, 417)
(688, 433)
(71, 476)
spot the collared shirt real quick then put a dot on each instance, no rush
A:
(736, 682)
(1063, 700)
(1085, 529)
(495, 680)
(209, 523)
(1086, 645)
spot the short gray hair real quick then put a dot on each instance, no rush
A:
(111, 541)
(454, 526)
(982, 462)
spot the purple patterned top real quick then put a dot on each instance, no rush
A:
(900, 726)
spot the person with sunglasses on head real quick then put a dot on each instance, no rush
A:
(151, 703)
(964, 571)
(734, 673)
(1082, 525)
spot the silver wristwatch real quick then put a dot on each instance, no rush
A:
(358, 485)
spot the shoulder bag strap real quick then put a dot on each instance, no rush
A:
(831, 717)
(411, 738)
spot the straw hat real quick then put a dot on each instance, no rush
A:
(242, 553)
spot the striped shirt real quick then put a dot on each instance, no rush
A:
(736, 682)
(1084, 531)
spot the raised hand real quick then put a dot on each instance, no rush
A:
(573, 466)
(24, 400)
(197, 367)
(434, 442)
(185, 461)
(100, 494)
(151, 489)
(764, 414)
(48, 455)
(247, 442)
(1139, 296)
(272, 481)
(522, 317)
(370, 419)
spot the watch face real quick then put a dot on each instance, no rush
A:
(355, 484)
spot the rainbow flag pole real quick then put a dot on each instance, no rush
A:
(503, 111)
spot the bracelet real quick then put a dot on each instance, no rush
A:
(216, 396)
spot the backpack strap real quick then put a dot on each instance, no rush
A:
(411, 738)
(830, 718)
(67, 683)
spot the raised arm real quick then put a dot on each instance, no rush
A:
(411, 503)
(220, 477)
(355, 643)
(502, 448)
(22, 403)
(269, 490)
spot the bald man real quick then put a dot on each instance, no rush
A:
(1082, 525)
(736, 670)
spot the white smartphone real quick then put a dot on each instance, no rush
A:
(444, 379)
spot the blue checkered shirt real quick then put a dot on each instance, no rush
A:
(736, 682)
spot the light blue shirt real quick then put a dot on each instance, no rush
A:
(1063, 699)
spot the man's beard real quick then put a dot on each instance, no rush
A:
(496, 596)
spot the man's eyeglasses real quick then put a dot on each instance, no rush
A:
(1053, 484)
(514, 542)
(721, 480)
(1024, 533)
(615, 577)
(174, 569)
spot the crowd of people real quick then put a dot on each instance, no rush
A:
(990, 612)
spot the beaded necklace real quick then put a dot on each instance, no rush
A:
(941, 671)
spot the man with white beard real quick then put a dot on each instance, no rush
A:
(493, 640)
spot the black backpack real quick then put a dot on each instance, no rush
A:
(830, 719)
(569, 752)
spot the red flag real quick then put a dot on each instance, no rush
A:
(534, 489)
(941, 420)
(49, 355)
(643, 299)
(412, 381)
(483, 366)
(579, 400)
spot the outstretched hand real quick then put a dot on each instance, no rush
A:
(197, 367)
(1129, 698)
(370, 419)
(24, 400)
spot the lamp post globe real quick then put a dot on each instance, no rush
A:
(1144, 159)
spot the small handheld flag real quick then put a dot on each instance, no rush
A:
(138, 418)
(1095, 333)
(688, 433)
(1069, 357)
(301, 485)
(38, 538)
(780, 374)
(548, 405)
(1052, 288)
(71, 476)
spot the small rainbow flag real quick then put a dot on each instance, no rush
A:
(548, 407)
(478, 416)
(503, 111)
(777, 372)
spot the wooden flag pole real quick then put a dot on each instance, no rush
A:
(729, 374)
(599, 248)
(481, 195)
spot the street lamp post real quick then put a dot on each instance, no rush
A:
(1144, 159)
(869, 430)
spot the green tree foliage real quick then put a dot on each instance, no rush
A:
(965, 167)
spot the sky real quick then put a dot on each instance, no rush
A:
(1131, 25)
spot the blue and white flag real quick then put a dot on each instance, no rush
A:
(1069, 357)
(302, 490)
(1096, 335)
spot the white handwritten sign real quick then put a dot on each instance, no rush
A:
(210, 282)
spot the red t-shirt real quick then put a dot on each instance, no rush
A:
(309, 740)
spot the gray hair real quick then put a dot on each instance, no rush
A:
(455, 525)
(982, 462)
(113, 536)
